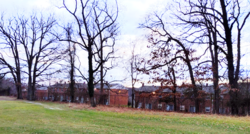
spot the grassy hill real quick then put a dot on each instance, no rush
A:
(47, 117)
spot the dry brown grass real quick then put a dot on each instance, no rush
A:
(7, 98)
(153, 112)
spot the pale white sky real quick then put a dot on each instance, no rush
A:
(131, 13)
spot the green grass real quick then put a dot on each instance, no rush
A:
(22, 117)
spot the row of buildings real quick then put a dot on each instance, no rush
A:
(145, 97)
(153, 97)
(113, 94)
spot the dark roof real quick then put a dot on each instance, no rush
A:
(111, 86)
(41, 88)
(130, 90)
(178, 89)
(208, 89)
(66, 85)
(147, 89)
(118, 86)
(105, 86)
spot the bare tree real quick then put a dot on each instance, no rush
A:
(168, 49)
(36, 35)
(219, 24)
(8, 32)
(71, 54)
(204, 30)
(95, 24)
(134, 63)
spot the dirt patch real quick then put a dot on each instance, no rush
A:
(45, 106)
(119, 109)
(9, 98)
(148, 112)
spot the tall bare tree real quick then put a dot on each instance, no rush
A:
(95, 24)
(202, 28)
(71, 59)
(219, 24)
(134, 63)
(10, 63)
(40, 45)
(168, 49)
(34, 37)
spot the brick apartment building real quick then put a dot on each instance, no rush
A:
(113, 94)
(41, 93)
(116, 94)
(158, 98)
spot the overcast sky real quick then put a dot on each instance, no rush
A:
(131, 13)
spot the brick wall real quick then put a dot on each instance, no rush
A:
(147, 100)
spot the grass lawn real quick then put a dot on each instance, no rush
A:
(47, 117)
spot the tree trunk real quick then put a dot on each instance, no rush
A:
(29, 95)
(215, 70)
(195, 91)
(72, 91)
(91, 77)
(101, 90)
(19, 92)
(175, 107)
(232, 82)
(216, 82)
(133, 96)
(34, 87)
(72, 84)
(92, 101)
(19, 85)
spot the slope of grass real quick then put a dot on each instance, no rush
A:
(22, 117)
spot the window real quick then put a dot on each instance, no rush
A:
(82, 100)
(106, 102)
(182, 107)
(139, 105)
(221, 96)
(77, 98)
(160, 96)
(207, 109)
(148, 106)
(159, 106)
(87, 99)
(192, 109)
(222, 111)
(170, 108)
